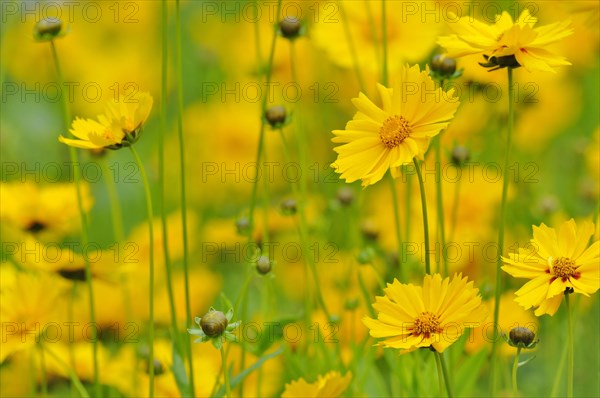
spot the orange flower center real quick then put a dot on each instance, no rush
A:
(425, 324)
(395, 129)
(563, 267)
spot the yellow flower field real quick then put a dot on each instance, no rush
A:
(310, 198)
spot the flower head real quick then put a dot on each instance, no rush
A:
(434, 315)
(333, 384)
(507, 43)
(555, 263)
(387, 137)
(215, 326)
(48, 29)
(119, 126)
(521, 337)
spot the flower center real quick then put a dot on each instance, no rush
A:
(563, 267)
(395, 129)
(425, 324)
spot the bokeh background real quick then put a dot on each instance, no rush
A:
(114, 48)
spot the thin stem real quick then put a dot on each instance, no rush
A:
(407, 207)
(498, 291)
(384, 42)
(303, 237)
(445, 372)
(571, 349)
(425, 222)
(151, 258)
(514, 373)
(454, 214)
(84, 227)
(559, 370)
(225, 372)
(440, 201)
(188, 311)
(351, 46)
(72, 375)
(440, 375)
(396, 223)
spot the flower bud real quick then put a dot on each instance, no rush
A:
(289, 206)
(213, 323)
(276, 115)
(352, 304)
(242, 225)
(345, 196)
(290, 27)
(460, 155)
(48, 29)
(443, 66)
(495, 63)
(263, 265)
(369, 230)
(158, 367)
(521, 335)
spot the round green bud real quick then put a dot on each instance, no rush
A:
(214, 323)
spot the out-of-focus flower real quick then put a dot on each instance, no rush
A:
(378, 139)
(333, 384)
(28, 302)
(410, 317)
(555, 263)
(119, 126)
(46, 211)
(508, 43)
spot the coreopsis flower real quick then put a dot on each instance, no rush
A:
(555, 263)
(435, 315)
(333, 384)
(380, 138)
(507, 43)
(119, 126)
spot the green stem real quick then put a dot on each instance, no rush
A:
(72, 375)
(559, 370)
(454, 214)
(397, 224)
(514, 373)
(440, 201)
(407, 207)
(445, 372)
(351, 46)
(440, 373)
(303, 236)
(151, 258)
(425, 222)
(84, 227)
(571, 349)
(498, 290)
(188, 310)
(225, 372)
(384, 42)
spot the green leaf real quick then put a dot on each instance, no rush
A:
(466, 375)
(180, 374)
(244, 373)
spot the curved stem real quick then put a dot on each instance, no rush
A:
(84, 226)
(498, 290)
(72, 375)
(514, 373)
(425, 222)
(397, 224)
(188, 311)
(571, 349)
(445, 372)
(150, 217)
(225, 372)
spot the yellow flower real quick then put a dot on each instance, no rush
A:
(119, 126)
(333, 384)
(434, 315)
(48, 212)
(521, 43)
(555, 263)
(378, 139)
